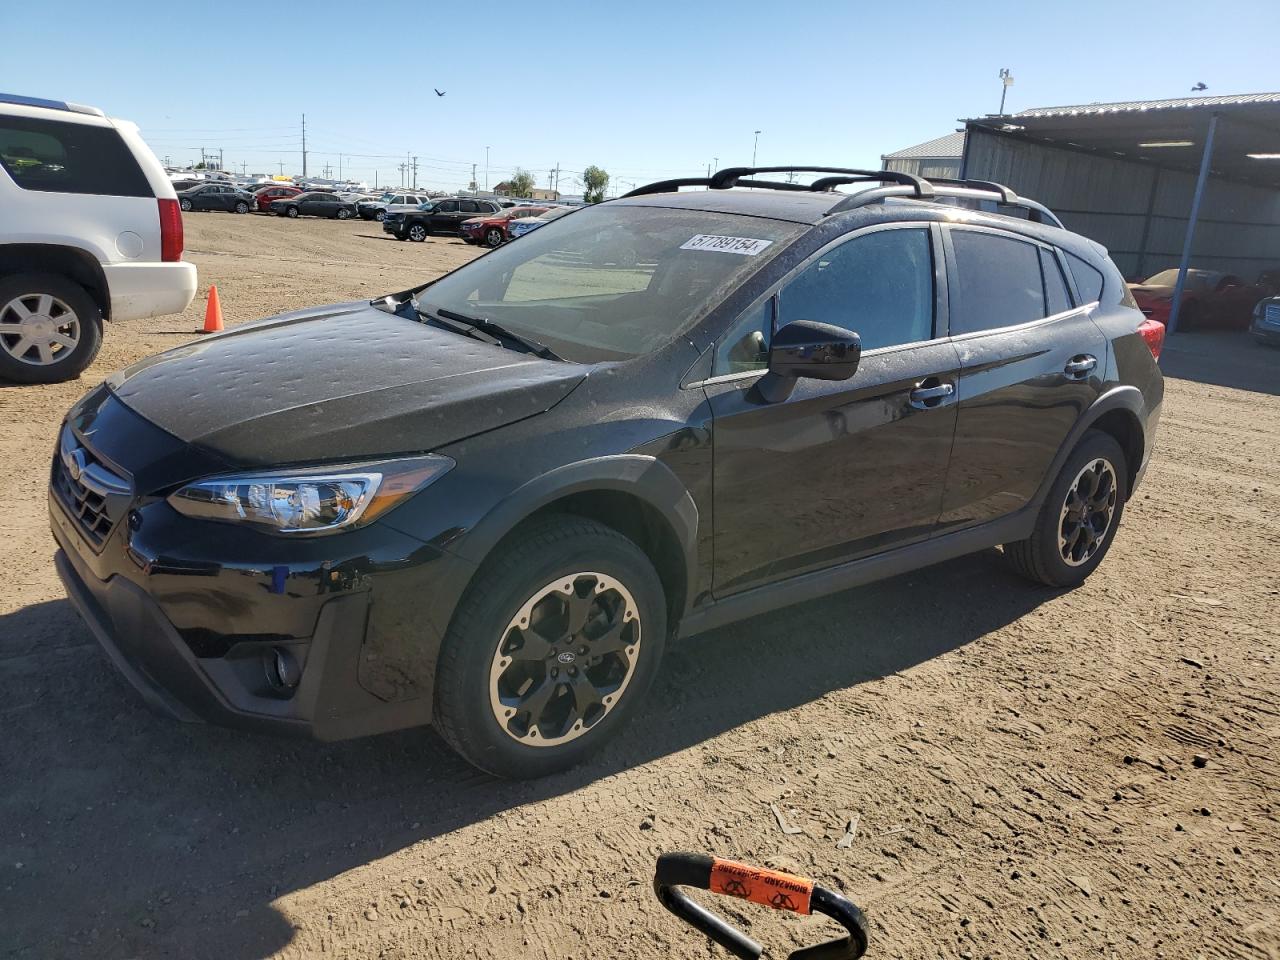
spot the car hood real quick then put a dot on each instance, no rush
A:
(1150, 291)
(343, 382)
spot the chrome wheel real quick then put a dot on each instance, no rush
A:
(39, 329)
(343, 213)
(1087, 512)
(565, 659)
(185, 204)
(493, 238)
(417, 233)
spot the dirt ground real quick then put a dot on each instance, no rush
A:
(1021, 763)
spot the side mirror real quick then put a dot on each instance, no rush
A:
(806, 348)
(821, 351)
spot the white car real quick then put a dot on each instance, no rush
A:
(90, 231)
(519, 228)
(390, 203)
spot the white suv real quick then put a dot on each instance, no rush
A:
(390, 203)
(90, 231)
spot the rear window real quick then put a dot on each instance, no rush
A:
(1088, 279)
(999, 282)
(55, 157)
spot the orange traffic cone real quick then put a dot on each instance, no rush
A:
(212, 313)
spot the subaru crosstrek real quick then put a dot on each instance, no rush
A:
(491, 501)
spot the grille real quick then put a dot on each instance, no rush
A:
(94, 495)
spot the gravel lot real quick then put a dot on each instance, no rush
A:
(1022, 763)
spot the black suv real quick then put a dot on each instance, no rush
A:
(437, 216)
(489, 502)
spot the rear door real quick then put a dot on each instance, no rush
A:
(840, 469)
(1031, 361)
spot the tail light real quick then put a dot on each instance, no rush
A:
(170, 231)
(1152, 331)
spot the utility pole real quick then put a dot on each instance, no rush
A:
(339, 166)
(556, 188)
(281, 165)
(415, 173)
(753, 148)
(166, 160)
(243, 169)
(486, 170)
(402, 167)
(1006, 80)
(220, 165)
(715, 163)
(304, 144)
(473, 180)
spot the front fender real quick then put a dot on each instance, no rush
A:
(644, 477)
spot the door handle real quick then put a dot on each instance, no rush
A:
(1077, 367)
(930, 393)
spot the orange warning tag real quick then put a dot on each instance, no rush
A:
(782, 891)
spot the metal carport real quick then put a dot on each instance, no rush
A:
(1160, 183)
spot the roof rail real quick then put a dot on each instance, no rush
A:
(904, 185)
(22, 101)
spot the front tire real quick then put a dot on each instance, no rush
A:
(242, 207)
(380, 215)
(50, 328)
(493, 237)
(551, 650)
(292, 213)
(343, 213)
(1078, 520)
(417, 233)
(185, 205)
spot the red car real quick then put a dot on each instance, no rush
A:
(267, 194)
(491, 230)
(1210, 299)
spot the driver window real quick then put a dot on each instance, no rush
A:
(879, 285)
(746, 346)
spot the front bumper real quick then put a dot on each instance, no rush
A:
(228, 684)
(1264, 332)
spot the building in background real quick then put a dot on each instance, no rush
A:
(933, 158)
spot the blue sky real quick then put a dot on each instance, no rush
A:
(645, 90)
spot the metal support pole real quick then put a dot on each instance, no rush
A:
(1205, 159)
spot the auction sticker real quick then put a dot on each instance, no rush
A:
(744, 246)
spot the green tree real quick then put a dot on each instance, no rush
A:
(596, 181)
(520, 184)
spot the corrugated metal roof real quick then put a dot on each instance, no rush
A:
(1136, 106)
(952, 145)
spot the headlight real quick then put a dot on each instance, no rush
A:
(312, 500)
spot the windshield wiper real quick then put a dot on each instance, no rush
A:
(496, 331)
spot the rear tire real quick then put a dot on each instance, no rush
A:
(1079, 517)
(185, 205)
(242, 207)
(380, 215)
(524, 716)
(72, 317)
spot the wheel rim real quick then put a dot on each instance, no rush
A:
(293, 211)
(1087, 512)
(242, 208)
(417, 233)
(185, 205)
(494, 238)
(39, 329)
(565, 659)
(380, 215)
(343, 214)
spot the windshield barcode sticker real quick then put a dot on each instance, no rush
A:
(746, 246)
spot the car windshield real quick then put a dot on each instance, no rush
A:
(614, 282)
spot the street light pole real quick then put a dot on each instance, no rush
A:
(486, 169)
(753, 148)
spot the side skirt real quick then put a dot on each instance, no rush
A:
(820, 583)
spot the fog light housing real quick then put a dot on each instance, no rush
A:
(283, 670)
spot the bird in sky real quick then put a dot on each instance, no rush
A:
(441, 93)
(1196, 89)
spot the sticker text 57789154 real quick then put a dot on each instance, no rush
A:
(743, 246)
